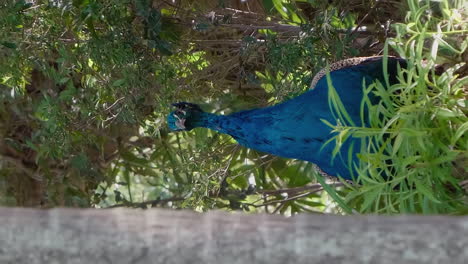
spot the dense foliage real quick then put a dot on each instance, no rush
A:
(85, 86)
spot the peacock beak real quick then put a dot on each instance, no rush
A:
(180, 123)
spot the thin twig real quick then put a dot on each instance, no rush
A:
(225, 170)
(145, 203)
(287, 199)
(312, 187)
(362, 20)
(116, 102)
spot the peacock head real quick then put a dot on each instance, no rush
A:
(186, 117)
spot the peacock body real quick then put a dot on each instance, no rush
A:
(294, 128)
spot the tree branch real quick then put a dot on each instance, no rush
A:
(145, 203)
(312, 187)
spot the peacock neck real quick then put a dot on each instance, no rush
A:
(220, 123)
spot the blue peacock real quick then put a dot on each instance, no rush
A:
(294, 128)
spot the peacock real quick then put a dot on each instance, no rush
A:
(296, 128)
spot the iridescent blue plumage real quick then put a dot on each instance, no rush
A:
(293, 129)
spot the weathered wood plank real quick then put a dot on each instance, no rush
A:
(165, 236)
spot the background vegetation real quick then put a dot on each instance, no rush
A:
(85, 86)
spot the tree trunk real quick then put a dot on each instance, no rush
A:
(165, 236)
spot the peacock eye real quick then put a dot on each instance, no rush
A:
(180, 113)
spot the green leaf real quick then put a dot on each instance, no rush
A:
(446, 113)
(460, 132)
(422, 188)
(80, 162)
(119, 82)
(370, 198)
(397, 144)
(63, 80)
(9, 45)
(21, 5)
(132, 158)
(154, 24)
(143, 7)
(268, 5)
(164, 47)
(333, 194)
